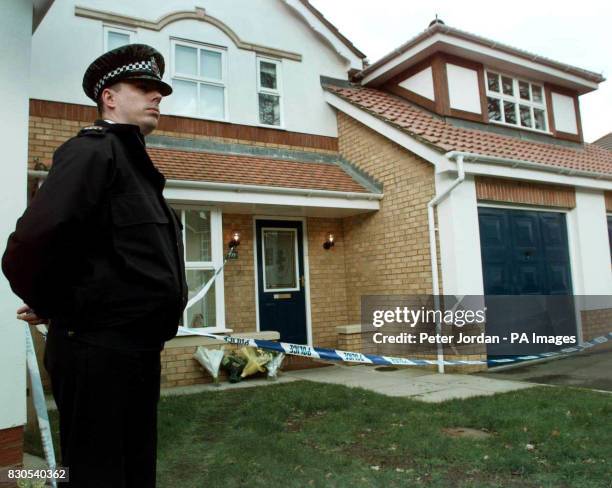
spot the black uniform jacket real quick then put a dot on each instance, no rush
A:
(98, 250)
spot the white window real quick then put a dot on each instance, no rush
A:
(517, 102)
(199, 80)
(115, 37)
(202, 235)
(269, 92)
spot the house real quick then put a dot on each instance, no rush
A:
(18, 22)
(279, 134)
(605, 141)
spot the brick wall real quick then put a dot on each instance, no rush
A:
(52, 123)
(513, 191)
(328, 290)
(387, 252)
(596, 323)
(11, 448)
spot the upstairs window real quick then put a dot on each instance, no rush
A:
(517, 102)
(269, 92)
(198, 80)
(115, 37)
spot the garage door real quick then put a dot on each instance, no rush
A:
(525, 254)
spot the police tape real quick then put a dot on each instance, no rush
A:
(357, 357)
(40, 405)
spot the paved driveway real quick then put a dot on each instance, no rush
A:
(590, 369)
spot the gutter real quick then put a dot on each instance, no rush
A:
(239, 188)
(433, 250)
(516, 163)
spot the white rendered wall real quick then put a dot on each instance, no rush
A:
(459, 238)
(15, 38)
(564, 113)
(64, 45)
(463, 89)
(420, 83)
(589, 244)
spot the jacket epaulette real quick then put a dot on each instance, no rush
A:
(93, 130)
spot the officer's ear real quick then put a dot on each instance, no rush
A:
(108, 98)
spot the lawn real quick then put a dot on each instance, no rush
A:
(309, 434)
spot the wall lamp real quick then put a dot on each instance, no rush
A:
(329, 241)
(233, 244)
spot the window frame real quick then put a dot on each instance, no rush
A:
(517, 100)
(296, 263)
(106, 29)
(199, 80)
(269, 91)
(216, 250)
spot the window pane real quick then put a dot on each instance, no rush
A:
(524, 90)
(279, 255)
(202, 314)
(210, 64)
(525, 116)
(186, 61)
(116, 39)
(269, 109)
(507, 85)
(197, 235)
(537, 93)
(540, 119)
(212, 102)
(494, 109)
(493, 81)
(184, 97)
(510, 112)
(268, 75)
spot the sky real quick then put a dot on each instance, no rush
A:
(577, 33)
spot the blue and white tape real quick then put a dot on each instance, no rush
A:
(357, 357)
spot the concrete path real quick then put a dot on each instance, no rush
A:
(410, 382)
(590, 369)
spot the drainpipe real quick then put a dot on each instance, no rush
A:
(433, 250)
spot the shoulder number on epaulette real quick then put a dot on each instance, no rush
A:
(92, 130)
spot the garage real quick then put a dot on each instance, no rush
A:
(526, 275)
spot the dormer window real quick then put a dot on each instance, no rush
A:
(516, 102)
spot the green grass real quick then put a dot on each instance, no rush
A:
(308, 434)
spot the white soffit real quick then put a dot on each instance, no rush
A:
(489, 56)
(564, 113)
(420, 83)
(463, 89)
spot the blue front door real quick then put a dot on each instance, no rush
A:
(525, 253)
(280, 278)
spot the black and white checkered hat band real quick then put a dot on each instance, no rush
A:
(139, 66)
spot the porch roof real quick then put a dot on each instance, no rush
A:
(237, 169)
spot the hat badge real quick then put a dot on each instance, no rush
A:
(154, 67)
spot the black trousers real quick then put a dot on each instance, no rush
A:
(107, 402)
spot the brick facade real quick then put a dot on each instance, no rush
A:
(596, 323)
(524, 192)
(11, 449)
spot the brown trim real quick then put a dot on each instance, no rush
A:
(438, 68)
(550, 88)
(608, 197)
(392, 85)
(171, 123)
(524, 192)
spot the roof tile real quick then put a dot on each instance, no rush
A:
(247, 170)
(446, 137)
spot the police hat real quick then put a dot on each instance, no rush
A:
(133, 61)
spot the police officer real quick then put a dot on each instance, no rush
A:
(99, 255)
